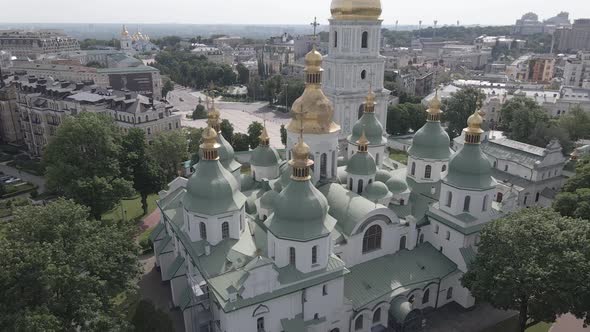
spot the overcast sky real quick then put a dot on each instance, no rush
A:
(276, 11)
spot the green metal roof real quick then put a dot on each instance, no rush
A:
(376, 191)
(468, 254)
(383, 175)
(402, 211)
(212, 190)
(265, 156)
(175, 269)
(300, 213)
(361, 164)
(155, 235)
(431, 142)
(185, 298)
(397, 185)
(471, 222)
(348, 208)
(397, 273)
(269, 199)
(164, 246)
(470, 169)
(226, 155)
(372, 127)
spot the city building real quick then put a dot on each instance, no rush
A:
(275, 58)
(10, 130)
(576, 72)
(23, 43)
(415, 80)
(231, 41)
(529, 24)
(44, 103)
(504, 41)
(536, 68)
(574, 38)
(318, 243)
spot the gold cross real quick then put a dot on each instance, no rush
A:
(315, 25)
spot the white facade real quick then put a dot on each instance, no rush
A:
(324, 152)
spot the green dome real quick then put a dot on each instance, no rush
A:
(397, 186)
(470, 169)
(361, 164)
(268, 199)
(226, 154)
(375, 191)
(300, 213)
(212, 190)
(383, 175)
(247, 182)
(431, 142)
(373, 130)
(265, 156)
(286, 172)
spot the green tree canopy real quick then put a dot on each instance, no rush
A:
(243, 74)
(459, 107)
(227, 130)
(83, 162)
(403, 117)
(290, 91)
(576, 123)
(520, 117)
(167, 87)
(194, 137)
(61, 270)
(148, 318)
(254, 132)
(199, 112)
(240, 142)
(535, 262)
(169, 149)
(574, 200)
(283, 135)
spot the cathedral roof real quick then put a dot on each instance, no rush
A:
(372, 127)
(397, 185)
(376, 191)
(361, 164)
(470, 169)
(265, 156)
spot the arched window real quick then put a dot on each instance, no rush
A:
(448, 235)
(466, 203)
(350, 184)
(377, 158)
(444, 168)
(372, 238)
(413, 169)
(316, 316)
(324, 165)
(335, 39)
(358, 323)
(325, 290)
(225, 230)
(377, 316)
(363, 74)
(203, 230)
(484, 206)
(421, 239)
(427, 172)
(499, 197)
(359, 189)
(260, 324)
(314, 255)
(495, 164)
(402, 201)
(436, 229)
(526, 198)
(146, 118)
(402, 243)
(365, 40)
(449, 198)
(426, 297)
(505, 168)
(291, 255)
(450, 293)
(537, 197)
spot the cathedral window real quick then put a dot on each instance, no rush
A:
(203, 230)
(365, 40)
(537, 197)
(377, 316)
(428, 172)
(426, 297)
(466, 203)
(225, 230)
(444, 168)
(260, 324)
(325, 290)
(484, 206)
(448, 235)
(449, 198)
(377, 158)
(363, 74)
(350, 184)
(359, 189)
(413, 169)
(505, 168)
(358, 323)
(372, 239)
(335, 39)
(402, 243)
(314, 255)
(292, 256)
(436, 228)
(450, 293)
(421, 239)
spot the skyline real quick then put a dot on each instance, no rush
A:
(269, 12)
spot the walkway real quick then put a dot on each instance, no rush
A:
(569, 323)
(39, 181)
(454, 318)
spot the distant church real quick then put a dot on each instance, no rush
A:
(329, 239)
(136, 43)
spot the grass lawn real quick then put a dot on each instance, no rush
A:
(245, 170)
(131, 208)
(541, 327)
(511, 325)
(399, 156)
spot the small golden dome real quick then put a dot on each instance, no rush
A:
(264, 138)
(313, 59)
(300, 150)
(370, 98)
(300, 161)
(474, 123)
(124, 32)
(434, 104)
(356, 9)
(209, 144)
(363, 143)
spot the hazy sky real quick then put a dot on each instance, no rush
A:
(276, 11)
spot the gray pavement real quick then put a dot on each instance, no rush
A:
(241, 115)
(39, 181)
(454, 318)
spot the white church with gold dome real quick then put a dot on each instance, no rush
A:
(327, 240)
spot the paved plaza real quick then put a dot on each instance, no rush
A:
(241, 115)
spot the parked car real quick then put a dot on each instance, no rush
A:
(13, 180)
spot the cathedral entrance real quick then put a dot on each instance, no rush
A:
(402, 318)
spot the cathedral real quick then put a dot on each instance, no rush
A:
(336, 237)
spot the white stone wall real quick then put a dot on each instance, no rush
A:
(279, 250)
(480, 202)
(436, 173)
(358, 183)
(236, 221)
(264, 172)
(319, 145)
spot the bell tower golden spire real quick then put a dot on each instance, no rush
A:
(209, 144)
(434, 111)
(363, 143)
(264, 139)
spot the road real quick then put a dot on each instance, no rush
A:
(239, 114)
(39, 181)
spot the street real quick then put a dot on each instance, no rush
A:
(39, 181)
(238, 113)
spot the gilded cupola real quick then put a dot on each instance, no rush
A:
(356, 9)
(434, 111)
(473, 131)
(313, 111)
(301, 163)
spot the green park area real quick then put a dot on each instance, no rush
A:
(130, 209)
(399, 156)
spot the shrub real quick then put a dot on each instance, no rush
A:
(148, 318)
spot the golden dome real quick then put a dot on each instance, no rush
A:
(433, 110)
(209, 144)
(356, 9)
(264, 138)
(363, 143)
(124, 32)
(313, 111)
(474, 123)
(301, 162)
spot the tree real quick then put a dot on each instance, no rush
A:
(83, 163)
(254, 132)
(169, 149)
(199, 112)
(290, 92)
(459, 107)
(167, 87)
(243, 74)
(520, 116)
(139, 168)
(283, 135)
(61, 270)
(403, 117)
(576, 123)
(535, 262)
(240, 142)
(150, 319)
(574, 200)
(227, 130)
